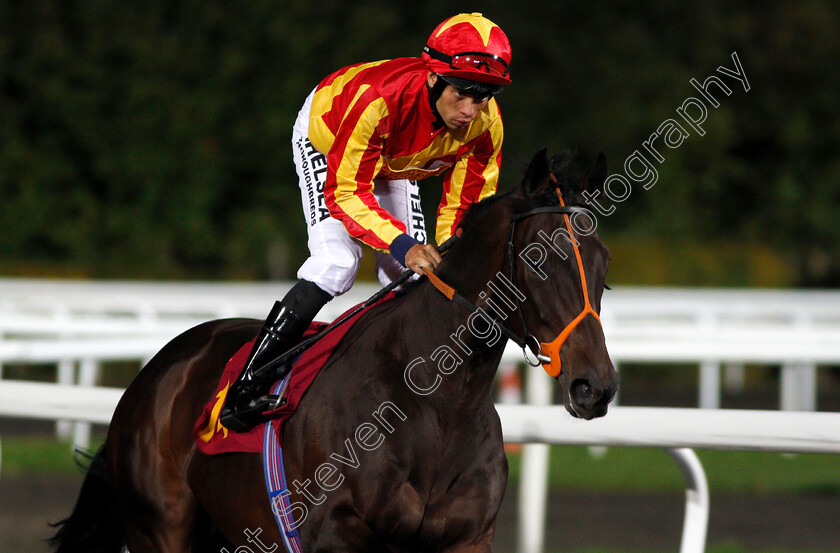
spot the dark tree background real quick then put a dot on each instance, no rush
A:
(150, 139)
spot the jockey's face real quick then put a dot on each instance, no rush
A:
(456, 107)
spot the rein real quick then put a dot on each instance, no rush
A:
(288, 356)
(546, 354)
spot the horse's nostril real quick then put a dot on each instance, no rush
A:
(589, 398)
(582, 391)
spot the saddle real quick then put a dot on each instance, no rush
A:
(212, 438)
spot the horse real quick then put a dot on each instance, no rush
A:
(396, 446)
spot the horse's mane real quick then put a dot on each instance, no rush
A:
(477, 210)
(567, 179)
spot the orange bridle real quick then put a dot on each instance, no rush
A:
(547, 354)
(552, 349)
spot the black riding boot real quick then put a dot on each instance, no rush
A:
(283, 328)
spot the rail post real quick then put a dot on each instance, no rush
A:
(696, 519)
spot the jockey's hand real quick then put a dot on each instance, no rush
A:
(422, 257)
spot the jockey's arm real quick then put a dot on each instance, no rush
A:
(352, 162)
(473, 178)
(355, 159)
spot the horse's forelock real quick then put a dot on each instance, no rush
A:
(569, 180)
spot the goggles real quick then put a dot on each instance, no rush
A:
(471, 61)
(473, 88)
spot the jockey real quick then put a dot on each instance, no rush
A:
(363, 138)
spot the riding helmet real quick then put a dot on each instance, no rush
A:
(468, 49)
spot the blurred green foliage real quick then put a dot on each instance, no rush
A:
(151, 139)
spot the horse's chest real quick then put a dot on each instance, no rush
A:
(458, 506)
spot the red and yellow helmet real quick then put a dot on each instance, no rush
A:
(469, 46)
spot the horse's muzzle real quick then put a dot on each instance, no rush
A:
(588, 399)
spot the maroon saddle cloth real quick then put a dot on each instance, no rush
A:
(212, 438)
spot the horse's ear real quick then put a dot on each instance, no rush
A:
(598, 174)
(536, 176)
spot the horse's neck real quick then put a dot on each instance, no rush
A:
(463, 347)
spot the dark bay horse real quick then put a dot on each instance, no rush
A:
(397, 446)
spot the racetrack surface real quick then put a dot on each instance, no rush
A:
(577, 520)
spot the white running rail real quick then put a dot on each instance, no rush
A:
(677, 430)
